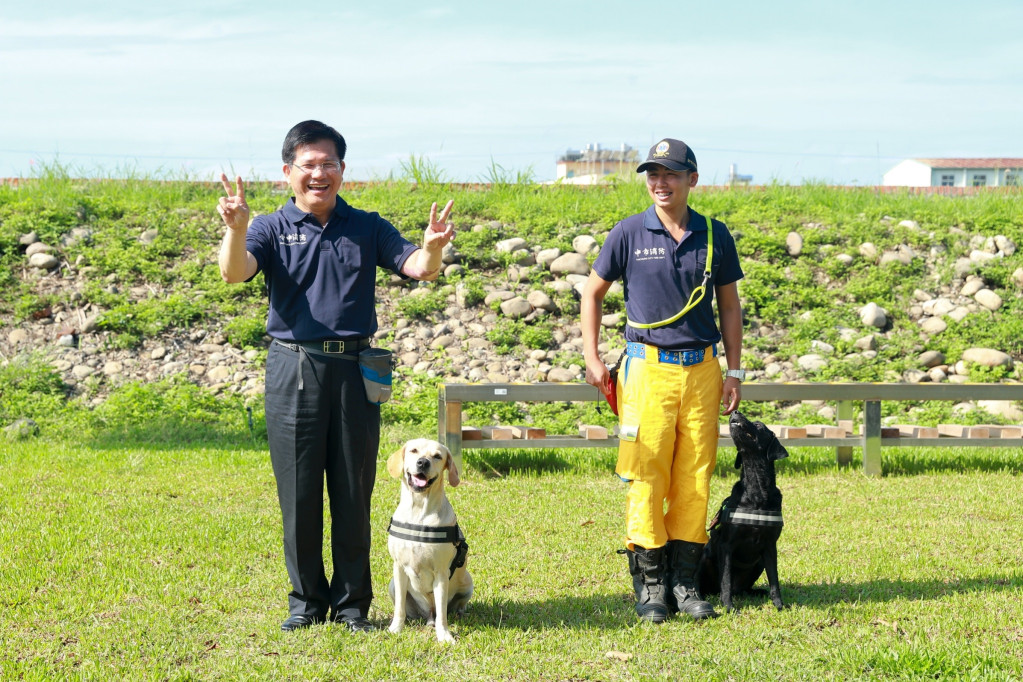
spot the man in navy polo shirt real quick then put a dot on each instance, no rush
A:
(672, 262)
(319, 257)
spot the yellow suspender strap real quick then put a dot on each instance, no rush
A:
(698, 292)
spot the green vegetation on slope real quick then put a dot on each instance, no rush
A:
(809, 298)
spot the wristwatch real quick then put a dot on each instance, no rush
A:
(739, 374)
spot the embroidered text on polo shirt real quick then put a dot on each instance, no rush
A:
(649, 254)
(291, 239)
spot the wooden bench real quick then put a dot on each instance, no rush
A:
(869, 437)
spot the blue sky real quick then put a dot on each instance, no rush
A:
(788, 90)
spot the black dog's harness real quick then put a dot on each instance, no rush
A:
(433, 534)
(744, 516)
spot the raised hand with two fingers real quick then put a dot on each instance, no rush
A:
(439, 232)
(232, 208)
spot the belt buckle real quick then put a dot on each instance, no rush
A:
(333, 347)
(692, 357)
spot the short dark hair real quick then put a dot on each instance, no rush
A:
(309, 132)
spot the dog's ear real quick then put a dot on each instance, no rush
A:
(738, 459)
(454, 475)
(777, 450)
(396, 462)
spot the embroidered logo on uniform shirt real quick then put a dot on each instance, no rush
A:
(655, 253)
(291, 239)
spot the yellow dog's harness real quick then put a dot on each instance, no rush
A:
(433, 534)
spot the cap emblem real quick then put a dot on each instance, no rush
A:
(662, 149)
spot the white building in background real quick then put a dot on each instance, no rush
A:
(735, 179)
(956, 173)
(593, 164)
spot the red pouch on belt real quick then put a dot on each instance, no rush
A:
(611, 392)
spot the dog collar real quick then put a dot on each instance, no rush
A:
(744, 516)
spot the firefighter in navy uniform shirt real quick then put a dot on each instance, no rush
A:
(673, 262)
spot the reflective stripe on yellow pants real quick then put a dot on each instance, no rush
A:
(672, 411)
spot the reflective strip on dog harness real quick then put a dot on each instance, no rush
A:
(432, 534)
(750, 517)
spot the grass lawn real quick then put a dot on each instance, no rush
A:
(131, 563)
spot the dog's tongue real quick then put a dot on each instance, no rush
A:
(419, 481)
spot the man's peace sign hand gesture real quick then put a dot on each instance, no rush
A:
(439, 232)
(233, 208)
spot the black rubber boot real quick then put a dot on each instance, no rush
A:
(648, 571)
(683, 562)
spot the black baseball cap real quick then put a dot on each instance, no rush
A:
(672, 154)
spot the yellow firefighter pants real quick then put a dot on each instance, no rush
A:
(671, 411)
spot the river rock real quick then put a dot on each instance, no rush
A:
(37, 247)
(541, 301)
(499, 295)
(516, 307)
(989, 299)
(510, 245)
(1002, 408)
(987, 357)
(585, 245)
(545, 257)
(874, 315)
(21, 429)
(219, 373)
(812, 362)
(794, 244)
(44, 261)
(570, 264)
(938, 306)
(611, 320)
(915, 376)
(866, 343)
(972, 286)
(561, 375)
(868, 251)
(931, 358)
(980, 257)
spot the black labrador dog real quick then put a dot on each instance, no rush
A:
(744, 534)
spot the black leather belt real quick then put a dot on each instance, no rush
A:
(344, 347)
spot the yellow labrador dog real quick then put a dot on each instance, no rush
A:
(428, 549)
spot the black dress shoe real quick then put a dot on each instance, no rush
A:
(299, 622)
(356, 623)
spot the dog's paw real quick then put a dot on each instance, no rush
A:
(395, 628)
(445, 637)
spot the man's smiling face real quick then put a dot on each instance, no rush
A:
(669, 189)
(315, 190)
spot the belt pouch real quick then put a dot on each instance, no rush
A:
(375, 365)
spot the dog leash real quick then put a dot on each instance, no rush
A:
(432, 534)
